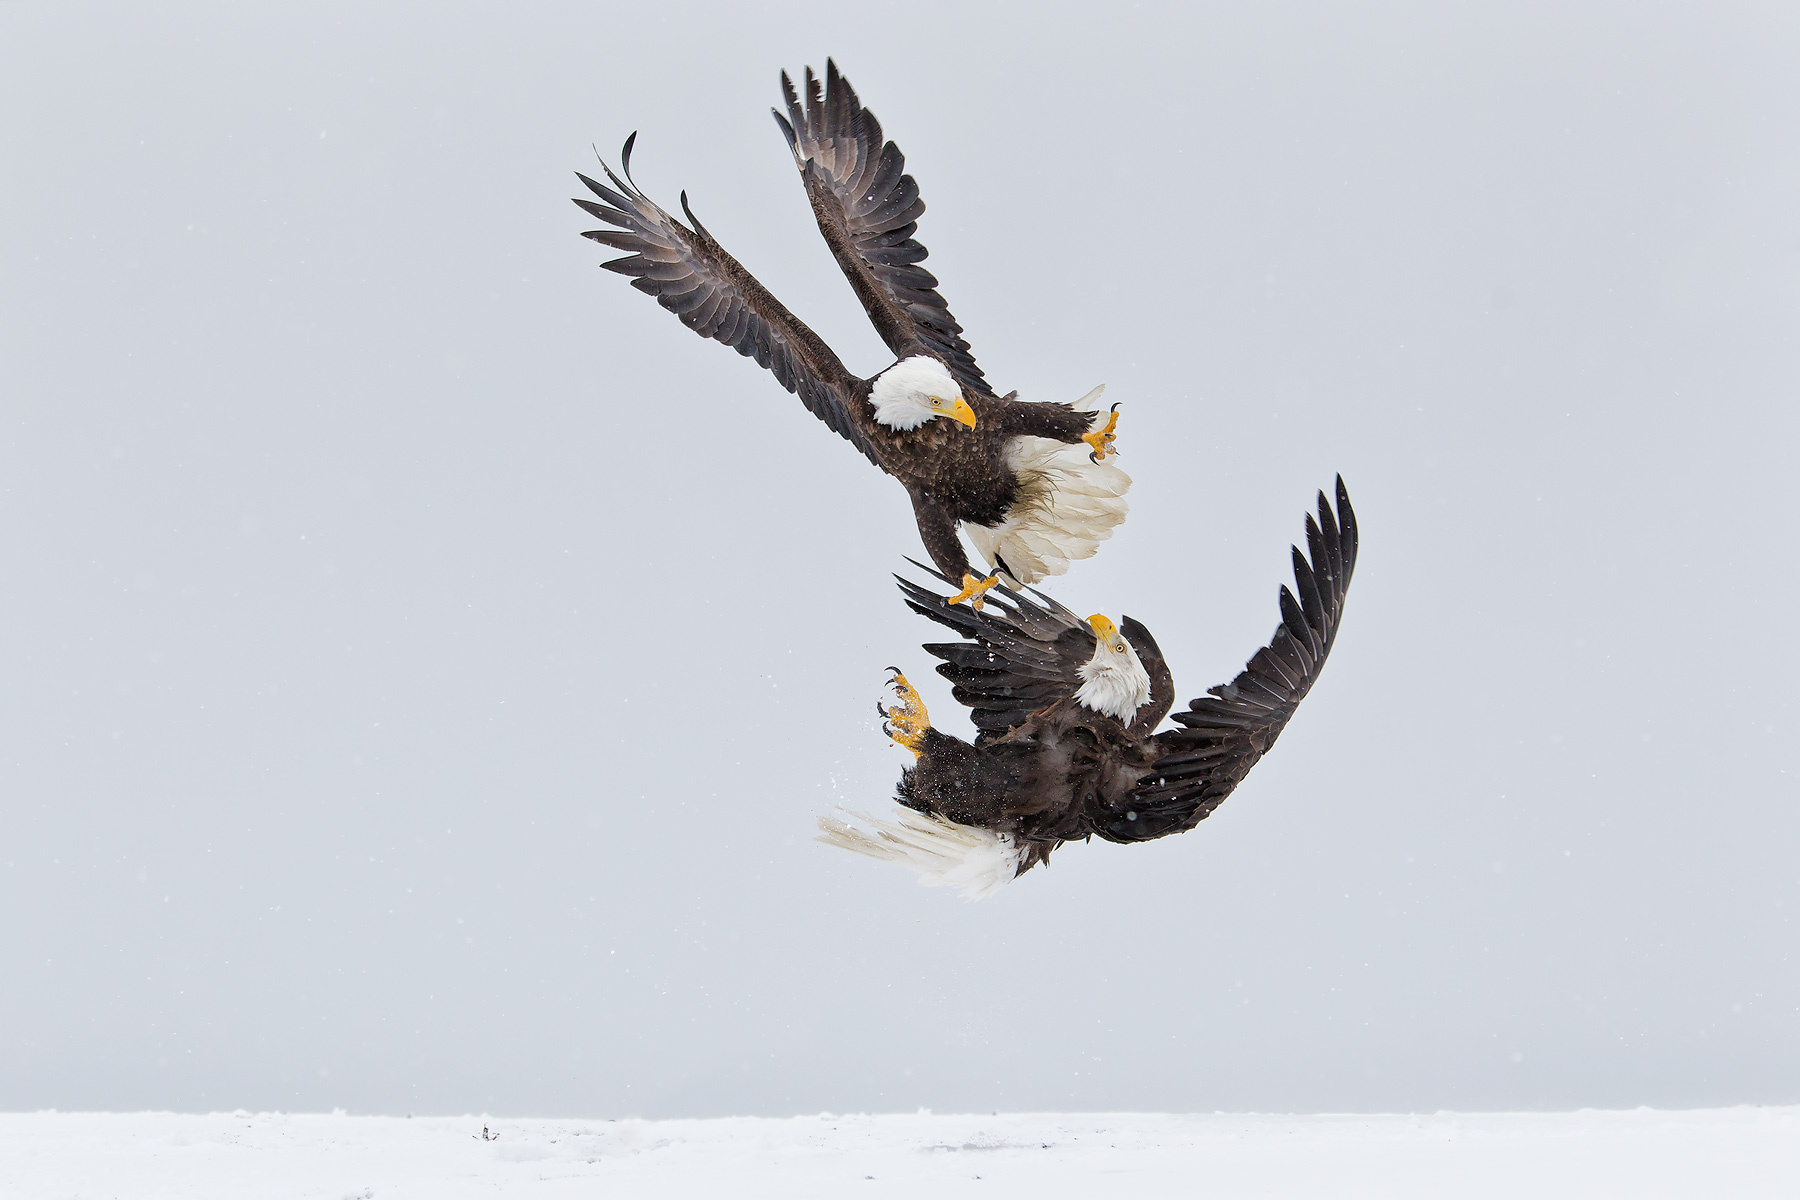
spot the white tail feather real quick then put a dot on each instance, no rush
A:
(1068, 504)
(977, 862)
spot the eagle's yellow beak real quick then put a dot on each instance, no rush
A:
(962, 412)
(1104, 629)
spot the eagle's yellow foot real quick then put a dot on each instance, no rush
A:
(972, 591)
(905, 720)
(1102, 439)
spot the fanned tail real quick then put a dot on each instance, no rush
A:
(977, 862)
(1068, 504)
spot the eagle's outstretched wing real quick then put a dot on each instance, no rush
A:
(1224, 733)
(867, 208)
(693, 277)
(1024, 652)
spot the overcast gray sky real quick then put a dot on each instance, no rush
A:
(422, 660)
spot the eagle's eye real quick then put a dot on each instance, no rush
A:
(1118, 647)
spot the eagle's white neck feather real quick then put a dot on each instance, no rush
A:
(902, 393)
(977, 862)
(1068, 504)
(1112, 683)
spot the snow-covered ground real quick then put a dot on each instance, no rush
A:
(1738, 1152)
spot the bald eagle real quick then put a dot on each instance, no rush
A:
(1067, 712)
(1030, 483)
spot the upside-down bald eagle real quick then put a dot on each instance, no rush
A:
(1067, 711)
(1028, 481)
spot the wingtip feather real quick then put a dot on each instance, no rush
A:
(787, 131)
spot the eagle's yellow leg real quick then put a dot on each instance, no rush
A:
(1102, 439)
(972, 590)
(905, 720)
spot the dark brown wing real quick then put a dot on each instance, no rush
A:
(1023, 652)
(868, 208)
(1225, 733)
(693, 277)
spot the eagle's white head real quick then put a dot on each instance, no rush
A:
(916, 390)
(1114, 681)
